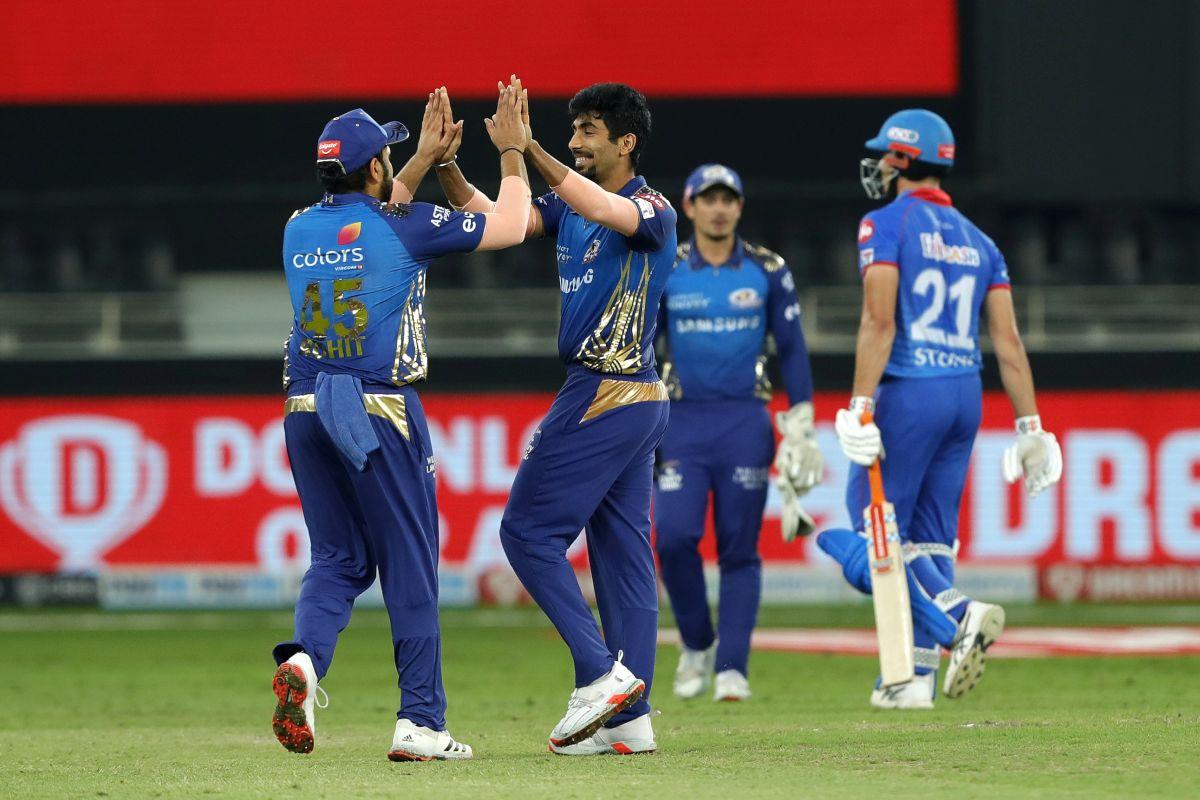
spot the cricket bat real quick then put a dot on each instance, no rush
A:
(889, 583)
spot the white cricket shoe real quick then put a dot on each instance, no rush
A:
(635, 736)
(412, 742)
(980, 626)
(917, 693)
(694, 671)
(295, 687)
(595, 704)
(731, 686)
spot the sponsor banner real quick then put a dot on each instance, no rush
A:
(191, 483)
(1068, 583)
(228, 50)
(36, 590)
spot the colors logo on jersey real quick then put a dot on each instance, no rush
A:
(865, 231)
(331, 148)
(349, 233)
(745, 298)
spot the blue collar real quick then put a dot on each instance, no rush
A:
(349, 198)
(631, 188)
(696, 261)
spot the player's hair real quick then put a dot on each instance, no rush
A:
(622, 108)
(337, 182)
(920, 170)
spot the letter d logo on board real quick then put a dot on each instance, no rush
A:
(81, 483)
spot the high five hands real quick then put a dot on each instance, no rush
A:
(508, 127)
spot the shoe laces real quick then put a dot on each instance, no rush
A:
(318, 695)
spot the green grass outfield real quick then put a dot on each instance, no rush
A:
(179, 705)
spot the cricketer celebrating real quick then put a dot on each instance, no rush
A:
(927, 274)
(355, 431)
(590, 463)
(723, 298)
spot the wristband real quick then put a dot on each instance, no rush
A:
(860, 404)
(448, 163)
(514, 147)
(1031, 424)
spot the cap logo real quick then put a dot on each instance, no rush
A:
(331, 148)
(946, 151)
(349, 233)
(717, 172)
(898, 134)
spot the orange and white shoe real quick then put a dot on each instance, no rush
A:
(413, 742)
(295, 687)
(629, 738)
(595, 704)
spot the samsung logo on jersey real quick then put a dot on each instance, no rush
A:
(716, 324)
(934, 249)
(349, 255)
(574, 284)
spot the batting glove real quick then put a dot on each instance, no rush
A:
(861, 443)
(1035, 456)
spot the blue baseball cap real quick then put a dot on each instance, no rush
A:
(918, 132)
(352, 139)
(706, 176)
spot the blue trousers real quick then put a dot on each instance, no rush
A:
(928, 427)
(381, 520)
(723, 449)
(593, 474)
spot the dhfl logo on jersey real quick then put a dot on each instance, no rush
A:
(81, 483)
(865, 231)
(349, 233)
(331, 148)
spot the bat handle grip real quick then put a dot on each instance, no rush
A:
(874, 473)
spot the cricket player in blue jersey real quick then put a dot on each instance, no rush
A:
(928, 273)
(723, 299)
(590, 463)
(356, 434)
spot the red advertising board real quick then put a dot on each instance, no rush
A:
(204, 481)
(227, 50)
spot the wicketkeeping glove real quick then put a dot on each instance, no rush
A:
(861, 443)
(1035, 455)
(794, 521)
(798, 460)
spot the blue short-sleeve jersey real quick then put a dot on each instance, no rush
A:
(947, 266)
(610, 283)
(716, 318)
(355, 270)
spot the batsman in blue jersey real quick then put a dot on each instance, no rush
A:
(590, 463)
(724, 298)
(928, 274)
(356, 434)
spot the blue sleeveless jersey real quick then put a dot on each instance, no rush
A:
(947, 266)
(716, 319)
(355, 271)
(611, 284)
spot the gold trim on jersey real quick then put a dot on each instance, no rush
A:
(611, 394)
(615, 346)
(412, 332)
(389, 407)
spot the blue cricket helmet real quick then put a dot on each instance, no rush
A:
(918, 132)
